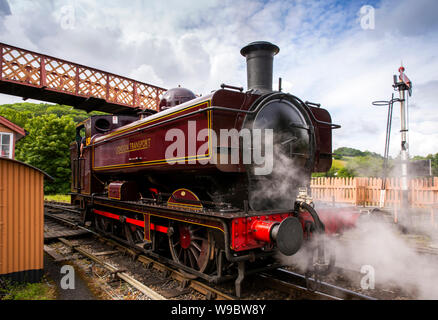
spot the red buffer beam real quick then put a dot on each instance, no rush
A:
(33, 75)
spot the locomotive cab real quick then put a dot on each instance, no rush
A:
(80, 151)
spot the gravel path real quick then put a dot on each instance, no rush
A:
(80, 291)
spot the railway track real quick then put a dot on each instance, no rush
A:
(295, 285)
(298, 285)
(169, 274)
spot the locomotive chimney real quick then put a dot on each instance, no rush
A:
(259, 61)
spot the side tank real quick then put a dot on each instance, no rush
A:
(142, 145)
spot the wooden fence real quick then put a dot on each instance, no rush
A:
(423, 193)
(366, 191)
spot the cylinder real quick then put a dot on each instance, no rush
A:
(259, 64)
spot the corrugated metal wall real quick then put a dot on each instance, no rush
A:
(21, 220)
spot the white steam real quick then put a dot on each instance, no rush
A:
(280, 189)
(396, 261)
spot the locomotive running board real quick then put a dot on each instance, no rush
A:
(166, 209)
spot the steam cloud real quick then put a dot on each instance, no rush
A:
(380, 244)
(280, 189)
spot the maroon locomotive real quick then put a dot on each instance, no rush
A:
(187, 202)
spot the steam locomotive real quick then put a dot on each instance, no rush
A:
(172, 184)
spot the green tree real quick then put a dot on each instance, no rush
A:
(434, 159)
(365, 166)
(348, 152)
(351, 152)
(20, 113)
(51, 128)
(336, 172)
(345, 173)
(47, 148)
(434, 162)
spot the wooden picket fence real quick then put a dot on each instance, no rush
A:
(423, 193)
(366, 191)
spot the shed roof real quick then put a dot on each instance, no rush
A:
(27, 165)
(21, 133)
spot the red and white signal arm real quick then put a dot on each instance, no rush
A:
(404, 78)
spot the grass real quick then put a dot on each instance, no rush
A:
(338, 164)
(27, 291)
(58, 198)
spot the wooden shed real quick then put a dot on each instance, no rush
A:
(21, 220)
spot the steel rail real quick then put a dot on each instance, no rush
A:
(324, 290)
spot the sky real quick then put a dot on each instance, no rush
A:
(342, 54)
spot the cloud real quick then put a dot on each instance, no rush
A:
(4, 8)
(406, 18)
(324, 56)
(146, 73)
